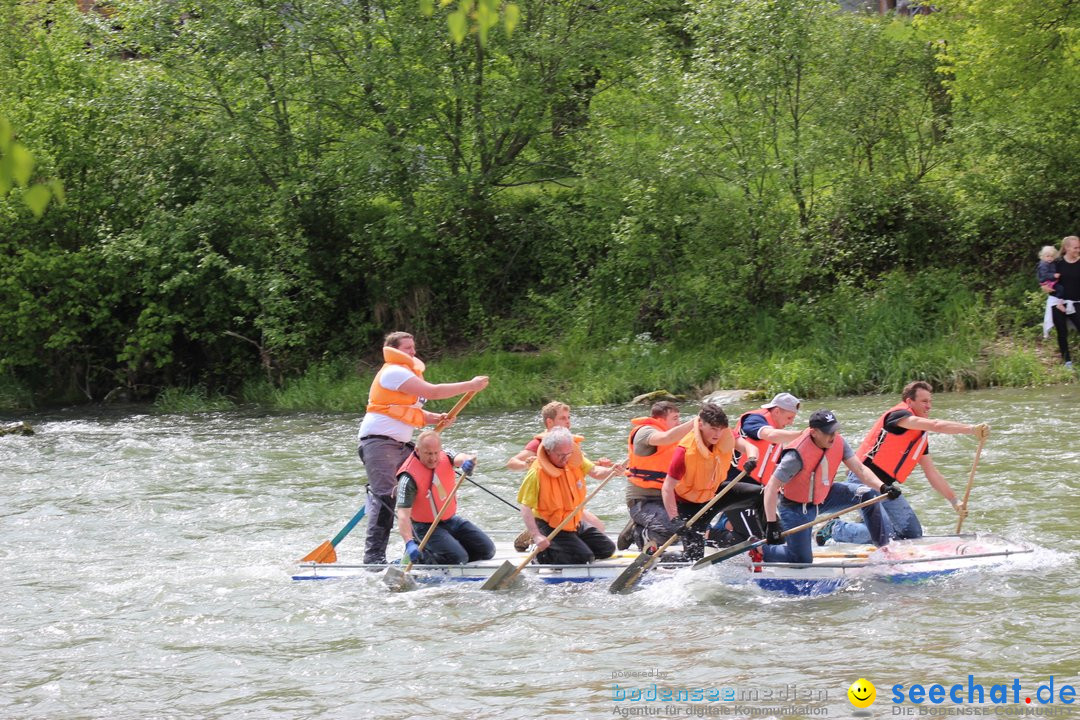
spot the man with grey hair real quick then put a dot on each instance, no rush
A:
(551, 491)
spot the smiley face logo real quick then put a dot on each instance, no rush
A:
(862, 693)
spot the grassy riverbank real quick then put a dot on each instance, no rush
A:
(583, 376)
(845, 342)
(932, 325)
(618, 374)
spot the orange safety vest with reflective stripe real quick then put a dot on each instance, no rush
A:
(393, 403)
(706, 467)
(649, 471)
(894, 454)
(812, 483)
(768, 453)
(561, 489)
(433, 487)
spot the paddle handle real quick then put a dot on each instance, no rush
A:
(497, 497)
(622, 583)
(458, 406)
(970, 484)
(438, 517)
(750, 545)
(349, 526)
(558, 528)
(825, 518)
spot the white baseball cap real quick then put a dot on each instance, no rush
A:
(784, 401)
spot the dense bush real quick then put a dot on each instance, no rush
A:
(257, 192)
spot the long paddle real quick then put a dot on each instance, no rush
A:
(325, 553)
(970, 484)
(644, 561)
(507, 572)
(751, 544)
(458, 406)
(398, 579)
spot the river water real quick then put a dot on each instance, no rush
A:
(148, 566)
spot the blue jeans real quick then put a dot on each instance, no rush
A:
(900, 520)
(798, 548)
(455, 541)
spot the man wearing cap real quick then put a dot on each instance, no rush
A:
(764, 429)
(804, 477)
(894, 446)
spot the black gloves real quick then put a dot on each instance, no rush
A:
(677, 525)
(891, 491)
(773, 532)
(749, 465)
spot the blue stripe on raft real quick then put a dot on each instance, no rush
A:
(917, 577)
(793, 586)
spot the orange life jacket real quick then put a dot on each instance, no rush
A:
(541, 436)
(706, 467)
(768, 452)
(649, 471)
(894, 454)
(393, 403)
(812, 483)
(561, 488)
(433, 487)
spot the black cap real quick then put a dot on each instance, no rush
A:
(824, 421)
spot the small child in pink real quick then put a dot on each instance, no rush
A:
(1045, 272)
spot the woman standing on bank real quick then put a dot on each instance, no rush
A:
(1068, 294)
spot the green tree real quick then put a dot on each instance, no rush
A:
(1009, 66)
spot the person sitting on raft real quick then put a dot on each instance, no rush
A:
(552, 488)
(424, 483)
(804, 476)
(554, 414)
(699, 466)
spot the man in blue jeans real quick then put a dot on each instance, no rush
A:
(894, 446)
(426, 481)
(805, 475)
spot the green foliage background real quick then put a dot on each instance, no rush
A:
(615, 197)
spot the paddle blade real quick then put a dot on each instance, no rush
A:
(398, 580)
(629, 577)
(499, 577)
(726, 554)
(324, 554)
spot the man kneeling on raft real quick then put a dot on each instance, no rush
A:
(804, 476)
(551, 490)
(425, 481)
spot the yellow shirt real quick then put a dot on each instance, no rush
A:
(529, 492)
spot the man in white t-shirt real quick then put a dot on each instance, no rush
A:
(395, 408)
